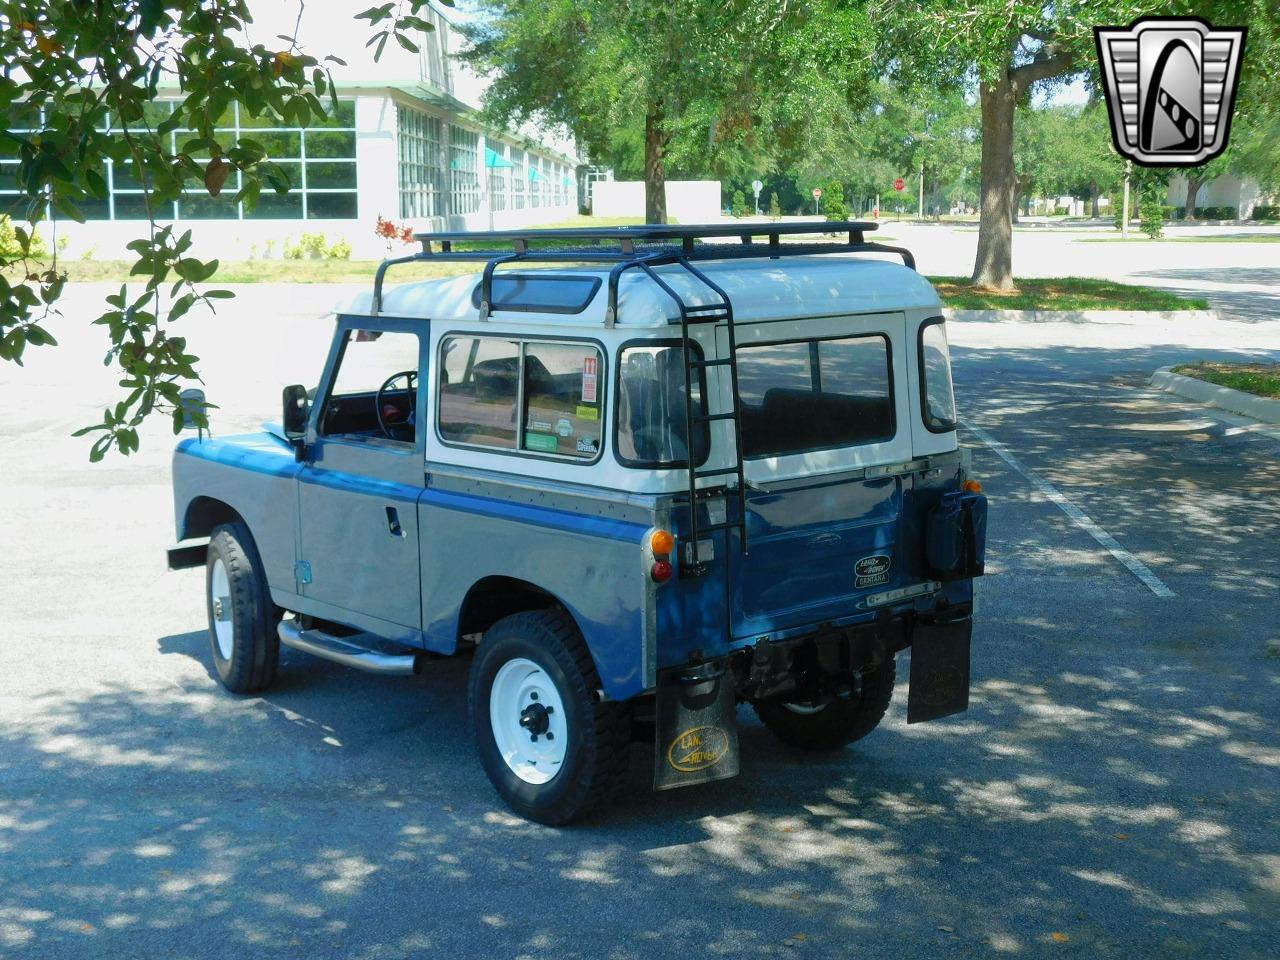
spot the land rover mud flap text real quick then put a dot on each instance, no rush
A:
(697, 728)
(939, 670)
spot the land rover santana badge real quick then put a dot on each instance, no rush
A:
(872, 571)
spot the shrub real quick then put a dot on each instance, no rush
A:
(1266, 211)
(739, 207)
(1217, 213)
(312, 245)
(341, 250)
(1151, 214)
(775, 209)
(290, 250)
(11, 249)
(833, 201)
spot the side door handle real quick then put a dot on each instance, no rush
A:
(393, 522)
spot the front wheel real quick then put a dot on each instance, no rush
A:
(552, 751)
(832, 723)
(242, 618)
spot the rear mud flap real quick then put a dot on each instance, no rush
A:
(696, 729)
(939, 670)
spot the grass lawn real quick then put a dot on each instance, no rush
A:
(1262, 379)
(1211, 238)
(1062, 293)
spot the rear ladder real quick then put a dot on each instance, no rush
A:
(691, 315)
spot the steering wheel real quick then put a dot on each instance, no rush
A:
(395, 423)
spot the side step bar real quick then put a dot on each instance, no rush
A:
(344, 651)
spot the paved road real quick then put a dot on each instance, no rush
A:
(1113, 791)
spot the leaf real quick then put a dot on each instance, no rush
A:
(1059, 937)
(406, 43)
(215, 175)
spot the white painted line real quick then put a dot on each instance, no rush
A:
(1081, 519)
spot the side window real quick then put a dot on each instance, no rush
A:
(537, 397)
(562, 394)
(652, 430)
(479, 390)
(373, 361)
(937, 398)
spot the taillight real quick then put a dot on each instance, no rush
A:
(661, 543)
(971, 486)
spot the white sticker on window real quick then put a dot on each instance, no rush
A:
(590, 374)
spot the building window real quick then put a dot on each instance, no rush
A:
(464, 176)
(320, 162)
(498, 172)
(535, 181)
(518, 179)
(421, 164)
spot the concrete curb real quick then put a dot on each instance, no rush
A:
(1263, 409)
(1081, 316)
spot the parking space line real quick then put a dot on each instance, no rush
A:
(1078, 516)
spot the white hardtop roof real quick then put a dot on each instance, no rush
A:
(827, 285)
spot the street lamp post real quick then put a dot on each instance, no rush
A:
(1124, 214)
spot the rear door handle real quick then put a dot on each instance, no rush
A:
(393, 522)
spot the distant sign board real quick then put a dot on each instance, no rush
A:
(899, 184)
(817, 192)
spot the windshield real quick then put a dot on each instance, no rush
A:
(814, 395)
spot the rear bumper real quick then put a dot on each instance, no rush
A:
(188, 553)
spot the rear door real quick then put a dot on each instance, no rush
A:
(822, 400)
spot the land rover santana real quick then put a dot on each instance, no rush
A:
(646, 474)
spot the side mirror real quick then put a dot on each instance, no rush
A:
(296, 409)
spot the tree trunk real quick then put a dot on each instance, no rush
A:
(1015, 195)
(655, 179)
(1094, 195)
(1193, 189)
(994, 264)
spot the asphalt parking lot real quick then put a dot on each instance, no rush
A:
(1113, 790)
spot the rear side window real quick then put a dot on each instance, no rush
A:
(652, 427)
(536, 397)
(815, 395)
(937, 398)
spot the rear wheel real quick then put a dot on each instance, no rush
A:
(242, 618)
(829, 724)
(551, 750)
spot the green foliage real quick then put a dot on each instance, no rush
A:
(1266, 211)
(341, 250)
(1150, 214)
(11, 248)
(739, 206)
(775, 210)
(311, 246)
(78, 70)
(725, 89)
(833, 201)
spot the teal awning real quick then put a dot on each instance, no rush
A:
(533, 173)
(492, 158)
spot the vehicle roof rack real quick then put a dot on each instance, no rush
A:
(650, 245)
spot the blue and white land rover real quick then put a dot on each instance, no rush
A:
(641, 475)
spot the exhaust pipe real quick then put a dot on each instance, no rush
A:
(349, 652)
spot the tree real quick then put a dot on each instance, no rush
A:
(1066, 149)
(727, 87)
(1008, 48)
(775, 209)
(84, 75)
(1197, 177)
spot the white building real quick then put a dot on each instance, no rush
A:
(406, 144)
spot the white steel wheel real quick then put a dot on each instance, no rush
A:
(527, 717)
(220, 605)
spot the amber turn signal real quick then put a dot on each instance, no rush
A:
(971, 486)
(662, 543)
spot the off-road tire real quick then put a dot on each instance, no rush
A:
(840, 722)
(255, 651)
(595, 764)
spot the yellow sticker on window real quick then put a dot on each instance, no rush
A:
(588, 413)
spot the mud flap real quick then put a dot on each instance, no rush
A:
(939, 670)
(696, 728)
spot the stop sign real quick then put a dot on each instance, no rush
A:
(899, 184)
(817, 192)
